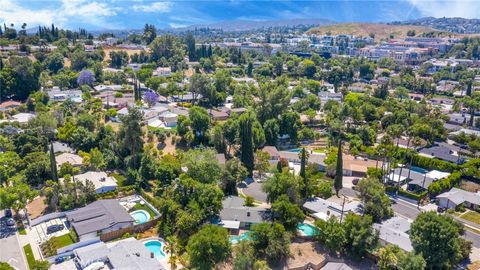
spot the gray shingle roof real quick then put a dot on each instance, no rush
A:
(336, 266)
(233, 209)
(98, 216)
(395, 231)
(459, 196)
(442, 152)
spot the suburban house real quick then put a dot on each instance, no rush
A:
(314, 158)
(61, 95)
(218, 115)
(162, 72)
(421, 181)
(59, 147)
(21, 118)
(9, 105)
(456, 196)
(99, 217)
(124, 254)
(102, 88)
(336, 266)
(358, 166)
(443, 151)
(272, 152)
(189, 97)
(169, 118)
(235, 216)
(74, 160)
(324, 209)
(102, 182)
(326, 96)
(394, 231)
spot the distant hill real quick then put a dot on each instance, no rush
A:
(380, 31)
(244, 25)
(455, 25)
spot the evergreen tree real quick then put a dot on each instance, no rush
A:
(469, 88)
(246, 139)
(339, 169)
(303, 173)
(53, 164)
(190, 42)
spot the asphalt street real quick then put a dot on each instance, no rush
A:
(10, 250)
(408, 210)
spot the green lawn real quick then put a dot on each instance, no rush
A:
(22, 231)
(120, 179)
(138, 206)
(27, 249)
(63, 241)
(472, 216)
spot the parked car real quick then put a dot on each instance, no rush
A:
(355, 181)
(8, 213)
(55, 228)
(10, 222)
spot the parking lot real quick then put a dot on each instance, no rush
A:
(39, 232)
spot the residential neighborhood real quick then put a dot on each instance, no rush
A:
(242, 142)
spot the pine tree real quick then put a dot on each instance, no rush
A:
(53, 164)
(469, 88)
(303, 172)
(339, 169)
(246, 137)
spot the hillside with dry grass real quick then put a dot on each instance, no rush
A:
(379, 31)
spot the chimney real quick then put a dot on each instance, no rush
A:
(248, 213)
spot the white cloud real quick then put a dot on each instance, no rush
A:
(83, 11)
(153, 7)
(450, 8)
(10, 12)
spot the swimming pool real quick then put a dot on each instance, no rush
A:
(156, 247)
(295, 150)
(140, 216)
(307, 229)
(234, 239)
(418, 169)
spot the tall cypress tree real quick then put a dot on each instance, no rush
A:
(246, 139)
(339, 169)
(303, 172)
(53, 164)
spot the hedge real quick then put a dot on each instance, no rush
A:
(413, 196)
(444, 184)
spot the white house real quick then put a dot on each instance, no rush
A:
(456, 196)
(102, 182)
(169, 118)
(162, 72)
(74, 160)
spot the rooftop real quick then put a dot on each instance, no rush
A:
(233, 210)
(98, 216)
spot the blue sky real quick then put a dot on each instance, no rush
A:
(128, 14)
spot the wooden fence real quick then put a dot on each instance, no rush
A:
(109, 236)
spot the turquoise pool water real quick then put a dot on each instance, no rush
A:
(418, 169)
(307, 229)
(296, 150)
(140, 216)
(155, 247)
(234, 239)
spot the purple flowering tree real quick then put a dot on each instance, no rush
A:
(85, 77)
(150, 97)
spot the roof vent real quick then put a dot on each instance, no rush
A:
(102, 179)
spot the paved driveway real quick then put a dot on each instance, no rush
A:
(10, 250)
(254, 189)
(39, 234)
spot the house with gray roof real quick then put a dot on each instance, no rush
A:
(99, 217)
(336, 266)
(235, 215)
(456, 197)
(324, 209)
(443, 152)
(124, 254)
(394, 231)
